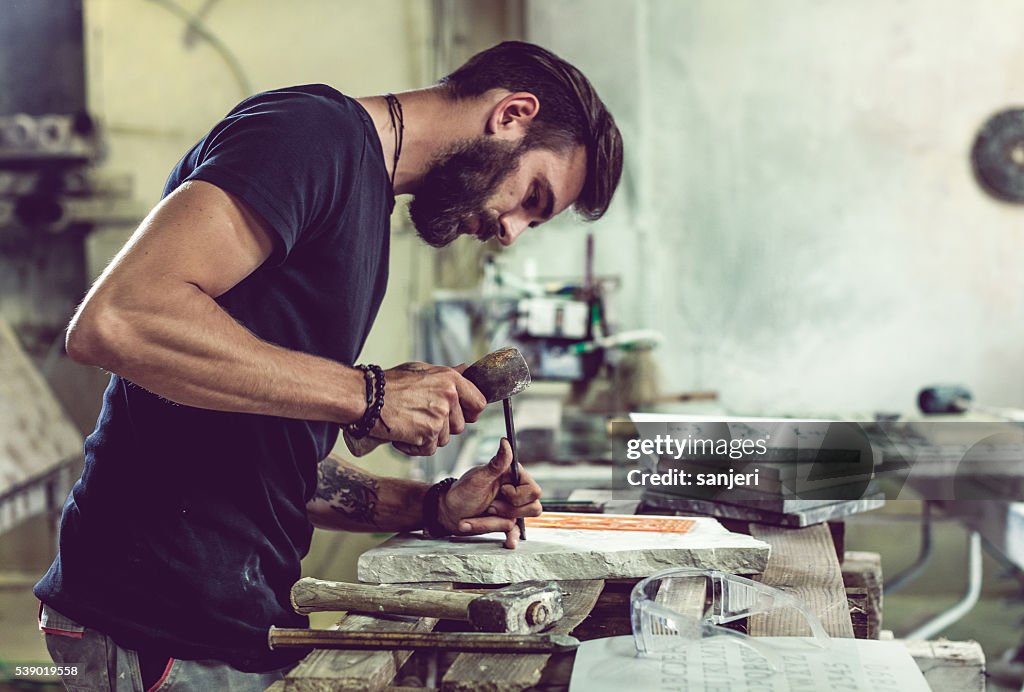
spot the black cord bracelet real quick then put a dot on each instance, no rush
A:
(432, 525)
(373, 377)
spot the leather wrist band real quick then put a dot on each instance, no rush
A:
(373, 376)
(432, 509)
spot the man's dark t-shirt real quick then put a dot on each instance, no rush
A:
(185, 532)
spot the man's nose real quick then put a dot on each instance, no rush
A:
(511, 227)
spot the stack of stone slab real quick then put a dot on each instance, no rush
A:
(806, 472)
(788, 493)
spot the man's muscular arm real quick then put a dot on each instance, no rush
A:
(152, 317)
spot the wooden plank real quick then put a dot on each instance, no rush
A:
(838, 529)
(803, 562)
(862, 577)
(863, 616)
(949, 666)
(367, 671)
(610, 615)
(507, 672)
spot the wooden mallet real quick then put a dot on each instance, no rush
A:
(523, 608)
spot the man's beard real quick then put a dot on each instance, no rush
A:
(457, 186)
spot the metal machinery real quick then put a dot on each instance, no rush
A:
(50, 195)
(566, 329)
(51, 198)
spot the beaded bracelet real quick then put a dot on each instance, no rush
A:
(373, 376)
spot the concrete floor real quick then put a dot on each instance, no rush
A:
(996, 622)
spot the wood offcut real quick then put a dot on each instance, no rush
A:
(862, 576)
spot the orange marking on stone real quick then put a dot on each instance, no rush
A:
(601, 522)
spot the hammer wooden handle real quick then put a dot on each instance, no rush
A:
(362, 446)
(311, 595)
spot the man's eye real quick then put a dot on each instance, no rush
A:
(533, 199)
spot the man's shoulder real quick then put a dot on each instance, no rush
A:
(305, 106)
(303, 94)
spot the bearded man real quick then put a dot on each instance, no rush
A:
(231, 322)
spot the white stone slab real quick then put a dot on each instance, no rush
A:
(949, 666)
(561, 554)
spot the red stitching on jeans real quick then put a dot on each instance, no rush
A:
(61, 633)
(167, 670)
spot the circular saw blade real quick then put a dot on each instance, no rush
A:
(998, 155)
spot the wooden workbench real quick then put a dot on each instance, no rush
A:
(804, 561)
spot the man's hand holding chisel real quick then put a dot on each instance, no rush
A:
(487, 499)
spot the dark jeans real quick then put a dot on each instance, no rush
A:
(95, 663)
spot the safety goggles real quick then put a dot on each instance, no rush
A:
(684, 606)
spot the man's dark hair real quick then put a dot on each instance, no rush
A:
(571, 113)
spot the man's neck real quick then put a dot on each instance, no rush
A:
(432, 124)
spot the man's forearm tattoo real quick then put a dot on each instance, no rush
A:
(350, 492)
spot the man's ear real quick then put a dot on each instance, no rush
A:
(512, 115)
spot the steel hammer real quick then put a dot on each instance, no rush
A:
(522, 608)
(498, 375)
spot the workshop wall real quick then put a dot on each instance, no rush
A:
(799, 214)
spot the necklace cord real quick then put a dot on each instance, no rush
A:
(398, 125)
